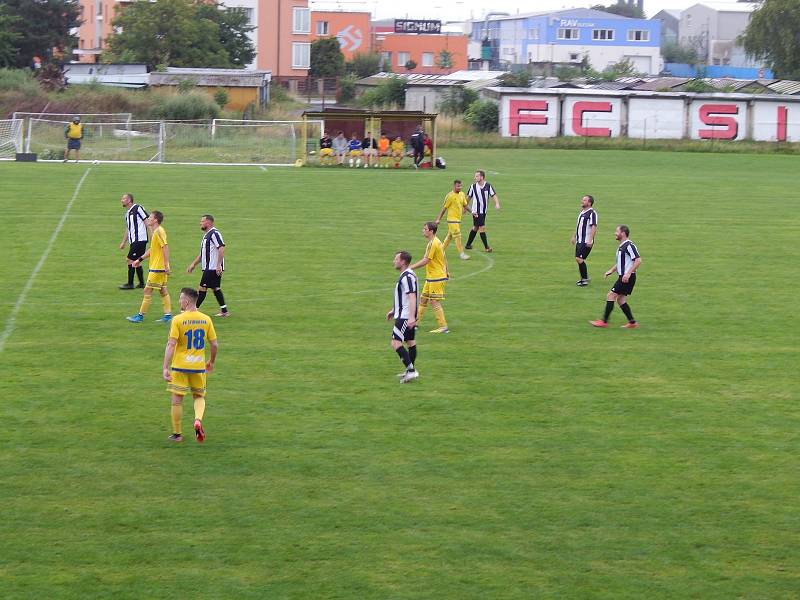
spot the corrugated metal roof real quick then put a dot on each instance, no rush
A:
(211, 77)
(661, 83)
(785, 86)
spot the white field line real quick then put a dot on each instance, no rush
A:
(12, 319)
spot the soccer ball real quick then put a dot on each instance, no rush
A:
(95, 162)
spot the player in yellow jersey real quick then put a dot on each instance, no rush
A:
(185, 366)
(158, 253)
(74, 134)
(455, 204)
(436, 276)
(398, 150)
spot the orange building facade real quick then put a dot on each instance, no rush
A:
(352, 29)
(433, 53)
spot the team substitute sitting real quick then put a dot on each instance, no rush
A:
(325, 149)
(354, 145)
(398, 151)
(384, 150)
(185, 367)
(455, 203)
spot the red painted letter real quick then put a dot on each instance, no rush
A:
(578, 110)
(707, 112)
(783, 118)
(517, 118)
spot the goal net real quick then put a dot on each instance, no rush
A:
(10, 137)
(137, 141)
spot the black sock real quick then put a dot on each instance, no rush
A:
(471, 238)
(201, 297)
(131, 271)
(412, 353)
(483, 239)
(627, 310)
(403, 354)
(221, 299)
(140, 274)
(609, 308)
(584, 271)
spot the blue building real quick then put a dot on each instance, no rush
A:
(566, 36)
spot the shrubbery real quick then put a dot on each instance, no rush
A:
(186, 107)
(483, 115)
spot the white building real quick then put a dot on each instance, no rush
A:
(712, 28)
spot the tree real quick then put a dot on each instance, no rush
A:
(445, 59)
(40, 28)
(515, 79)
(675, 53)
(364, 64)
(620, 8)
(9, 37)
(483, 115)
(234, 27)
(327, 59)
(772, 36)
(167, 32)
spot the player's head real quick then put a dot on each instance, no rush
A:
(622, 232)
(457, 185)
(480, 176)
(188, 298)
(354, 136)
(206, 222)
(429, 229)
(75, 119)
(127, 200)
(383, 134)
(587, 201)
(340, 133)
(156, 218)
(401, 260)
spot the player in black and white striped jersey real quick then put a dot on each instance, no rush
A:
(480, 193)
(135, 235)
(404, 313)
(212, 257)
(583, 238)
(628, 261)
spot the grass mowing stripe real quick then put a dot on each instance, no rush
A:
(12, 318)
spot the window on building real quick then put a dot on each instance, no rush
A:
(247, 12)
(100, 10)
(573, 56)
(533, 34)
(301, 55)
(386, 59)
(427, 59)
(403, 58)
(302, 20)
(565, 33)
(322, 28)
(638, 35)
(603, 34)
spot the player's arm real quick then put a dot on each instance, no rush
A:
(165, 248)
(140, 260)
(124, 239)
(412, 308)
(610, 271)
(221, 250)
(496, 202)
(420, 263)
(169, 352)
(213, 357)
(193, 264)
(590, 239)
(632, 269)
(441, 213)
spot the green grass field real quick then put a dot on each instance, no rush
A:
(536, 457)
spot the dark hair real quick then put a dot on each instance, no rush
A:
(209, 217)
(456, 181)
(405, 256)
(624, 229)
(590, 198)
(483, 173)
(432, 226)
(158, 215)
(191, 293)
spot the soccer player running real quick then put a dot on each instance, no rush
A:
(159, 269)
(480, 192)
(185, 367)
(404, 313)
(455, 204)
(436, 276)
(583, 238)
(628, 261)
(74, 134)
(212, 257)
(135, 235)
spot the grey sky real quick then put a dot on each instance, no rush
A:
(453, 10)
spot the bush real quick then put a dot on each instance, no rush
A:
(186, 85)
(391, 92)
(186, 107)
(347, 90)
(364, 64)
(19, 80)
(483, 115)
(221, 97)
(457, 100)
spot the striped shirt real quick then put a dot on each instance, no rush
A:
(626, 254)
(134, 221)
(209, 250)
(480, 197)
(586, 220)
(407, 284)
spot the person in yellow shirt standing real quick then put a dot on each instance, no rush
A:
(74, 134)
(159, 269)
(455, 204)
(436, 276)
(185, 366)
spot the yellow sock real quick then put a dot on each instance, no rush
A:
(199, 408)
(166, 302)
(145, 305)
(177, 413)
(438, 312)
(420, 312)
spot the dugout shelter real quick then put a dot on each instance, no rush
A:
(350, 120)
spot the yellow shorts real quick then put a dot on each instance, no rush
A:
(434, 290)
(454, 229)
(156, 280)
(187, 383)
(355, 152)
(326, 152)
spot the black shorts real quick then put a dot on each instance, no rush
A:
(211, 280)
(582, 250)
(73, 144)
(622, 288)
(136, 250)
(402, 332)
(479, 221)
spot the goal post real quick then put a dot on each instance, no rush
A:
(10, 138)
